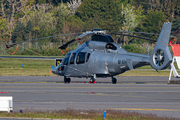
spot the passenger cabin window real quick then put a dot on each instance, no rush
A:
(66, 59)
(87, 57)
(81, 58)
(72, 58)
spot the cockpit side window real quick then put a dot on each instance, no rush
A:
(81, 58)
(72, 58)
(87, 57)
(66, 59)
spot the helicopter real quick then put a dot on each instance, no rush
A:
(102, 57)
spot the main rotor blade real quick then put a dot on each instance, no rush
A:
(66, 45)
(141, 33)
(11, 45)
(135, 36)
(77, 38)
(138, 32)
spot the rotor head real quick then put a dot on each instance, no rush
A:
(98, 31)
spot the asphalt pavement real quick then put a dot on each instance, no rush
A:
(160, 99)
(60, 79)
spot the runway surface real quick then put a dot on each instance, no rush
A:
(160, 99)
(60, 79)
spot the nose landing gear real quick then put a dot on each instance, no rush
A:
(67, 80)
(114, 80)
(93, 79)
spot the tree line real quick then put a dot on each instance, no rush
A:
(22, 20)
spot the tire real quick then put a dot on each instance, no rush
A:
(92, 80)
(67, 80)
(114, 80)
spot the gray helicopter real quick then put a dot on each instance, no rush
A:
(102, 57)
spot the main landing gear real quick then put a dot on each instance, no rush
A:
(67, 80)
(114, 80)
(93, 79)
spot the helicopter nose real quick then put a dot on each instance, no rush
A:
(55, 70)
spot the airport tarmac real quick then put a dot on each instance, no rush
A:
(60, 79)
(161, 99)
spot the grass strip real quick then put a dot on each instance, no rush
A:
(85, 114)
(25, 67)
(29, 67)
(30, 56)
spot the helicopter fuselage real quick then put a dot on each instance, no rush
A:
(99, 58)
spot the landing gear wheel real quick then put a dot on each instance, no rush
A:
(67, 80)
(92, 80)
(114, 80)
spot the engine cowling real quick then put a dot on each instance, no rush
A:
(101, 45)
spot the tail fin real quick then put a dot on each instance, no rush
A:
(161, 57)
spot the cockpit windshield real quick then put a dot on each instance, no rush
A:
(66, 59)
(110, 38)
(102, 38)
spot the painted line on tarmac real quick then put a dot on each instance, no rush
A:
(144, 109)
(23, 101)
(165, 87)
(87, 92)
(3, 92)
(133, 96)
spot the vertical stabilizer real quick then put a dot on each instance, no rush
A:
(163, 39)
(161, 57)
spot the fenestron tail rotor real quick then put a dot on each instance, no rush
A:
(159, 57)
